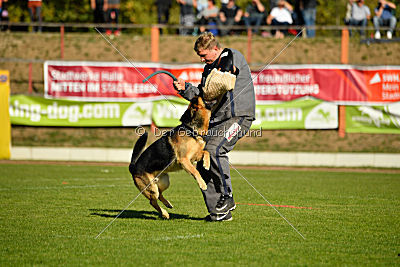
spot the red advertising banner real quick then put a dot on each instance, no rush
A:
(335, 83)
(113, 81)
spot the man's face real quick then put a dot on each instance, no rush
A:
(208, 56)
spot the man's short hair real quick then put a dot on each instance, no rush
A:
(206, 41)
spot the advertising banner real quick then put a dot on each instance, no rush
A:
(114, 81)
(38, 111)
(297, 114)
(335, 83)
(373, 119)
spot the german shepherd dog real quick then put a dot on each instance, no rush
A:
(178, 149)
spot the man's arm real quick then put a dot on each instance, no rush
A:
(378, 12)
(391, 5)
(105, 5)
(222, 16)
(368, 12)
(271, 16)
(238, 16)
(260, 6)
(288, 6)
(186, 90)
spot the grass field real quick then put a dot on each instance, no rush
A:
(51, 214)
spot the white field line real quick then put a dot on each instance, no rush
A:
(162, 238)
(61, 187)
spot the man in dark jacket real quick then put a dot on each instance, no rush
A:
(231, 118)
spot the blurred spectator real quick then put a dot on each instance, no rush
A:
(3, 14)
(99, 8)
(309, 11)
(112, 16)
(360, 14)
(254, 15)
(229, 15)
(163, 7)
(280, 16)
(187, 17)
(35, 12)
(384, 17)
(209, 16)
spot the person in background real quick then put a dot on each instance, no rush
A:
(229, 15)
(113, 16)
(99, 8)
(163, 7)
(187, 17)
(309, 11)
(254, 15)
(384, 17)
(209, 16)
(360, 14)
(35, 13)
(280, 16)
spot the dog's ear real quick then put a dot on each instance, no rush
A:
(188, 115)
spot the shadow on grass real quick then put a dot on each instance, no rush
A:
(139, 214)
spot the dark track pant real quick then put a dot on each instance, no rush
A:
(220, 140)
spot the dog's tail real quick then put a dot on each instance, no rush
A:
(137, 150)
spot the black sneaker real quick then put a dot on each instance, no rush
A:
(218, 217)
(225, 204)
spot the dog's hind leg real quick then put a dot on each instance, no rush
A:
(163, 184)
(165, 201)
(162, 211)
(151, 193)
(188, 166)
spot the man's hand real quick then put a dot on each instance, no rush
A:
(179, 85)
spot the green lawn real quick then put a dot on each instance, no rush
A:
(51, 214)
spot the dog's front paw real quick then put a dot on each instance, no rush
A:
(206, 160)
(206, 164)
(203, 186)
